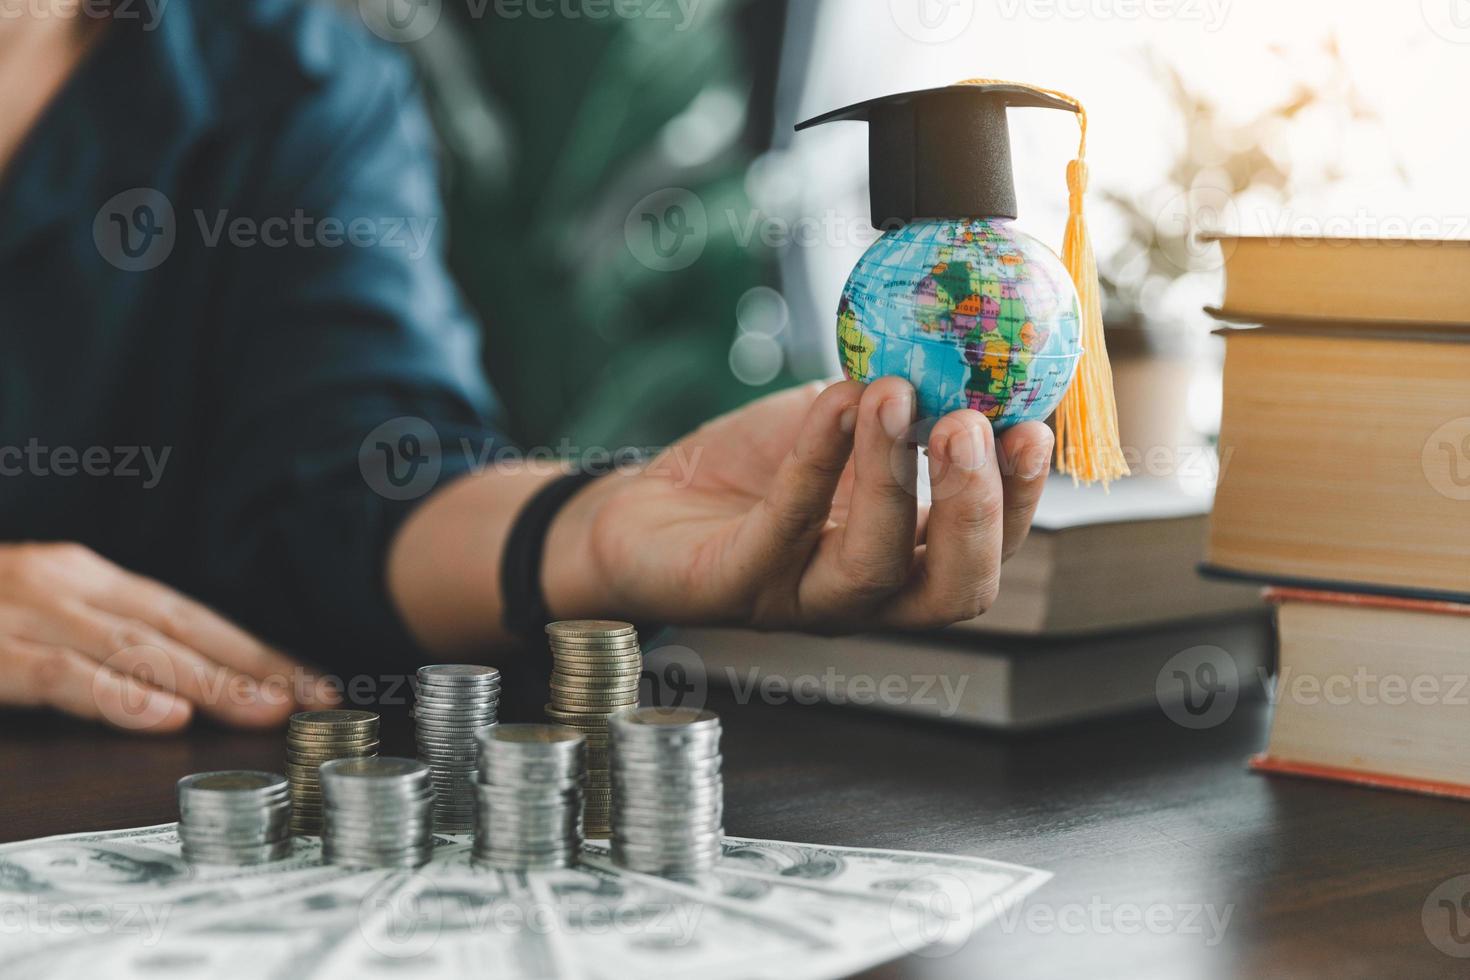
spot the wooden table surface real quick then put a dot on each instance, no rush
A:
(1155, 833)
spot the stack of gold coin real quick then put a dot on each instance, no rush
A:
(314, 737)
(594, 676)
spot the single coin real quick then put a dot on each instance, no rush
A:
(332, 719)
(582, 627)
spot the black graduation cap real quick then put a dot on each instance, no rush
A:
(941, 152)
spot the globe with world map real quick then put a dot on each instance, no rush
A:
(973, 312)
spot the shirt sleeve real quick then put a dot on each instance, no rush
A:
(344, 364)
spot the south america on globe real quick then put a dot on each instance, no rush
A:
(974, 313)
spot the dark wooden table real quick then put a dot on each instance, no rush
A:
(1150, 829)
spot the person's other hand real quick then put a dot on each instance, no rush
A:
(80, 634)
(801, 511)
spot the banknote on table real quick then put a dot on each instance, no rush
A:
(125, 904)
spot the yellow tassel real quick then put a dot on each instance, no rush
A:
(1088, 447)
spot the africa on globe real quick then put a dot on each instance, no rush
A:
(974, 313)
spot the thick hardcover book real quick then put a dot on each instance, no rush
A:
(1371, 690)
(1416, 284)
(1345, 460)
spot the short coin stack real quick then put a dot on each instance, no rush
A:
(234, 817)
(454, 702)
(376, 812)
(314, 737)
(529, 796)
(668, 794)
(595, 673)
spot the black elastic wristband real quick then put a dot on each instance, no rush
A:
(526, 614)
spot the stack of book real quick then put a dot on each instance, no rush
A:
(1091, 608)
(1345, 484)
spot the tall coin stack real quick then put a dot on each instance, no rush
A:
(376, 812)
(668, 795)
(595, 674)
(454, 702)
(314, 737)
(234, 817)
(529, 796)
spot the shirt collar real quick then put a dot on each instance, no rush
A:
(139, 97)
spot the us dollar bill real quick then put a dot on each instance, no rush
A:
(125, 904)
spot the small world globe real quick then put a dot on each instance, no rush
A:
(974, 313)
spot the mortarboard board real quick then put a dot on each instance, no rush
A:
(941, 152)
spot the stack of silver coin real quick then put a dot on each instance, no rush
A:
(234, 817)
(377, 812)
(668, 803)
(595, 674)
(314, 737)
(529, 795)
(454, 702)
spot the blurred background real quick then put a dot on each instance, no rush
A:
(648, 243)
